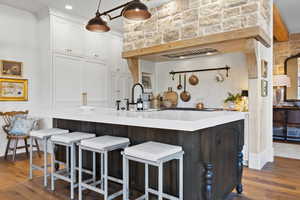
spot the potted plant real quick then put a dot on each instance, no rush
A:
(233, 100)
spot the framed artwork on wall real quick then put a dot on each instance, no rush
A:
(11, 68)
(13, 89)
(264, 69)
(264, 88)
(147, 81)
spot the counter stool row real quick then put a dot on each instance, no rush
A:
(149, 153)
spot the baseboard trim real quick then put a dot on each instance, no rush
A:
(259, 160)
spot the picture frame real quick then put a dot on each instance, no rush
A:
(13, 89)
(11, 69)
(147, 81)
(264, 69)
(264, 88)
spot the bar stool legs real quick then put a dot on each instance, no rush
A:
(125, 179)
(143, 154)
(44, 168)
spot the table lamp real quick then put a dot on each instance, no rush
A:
(280, 81)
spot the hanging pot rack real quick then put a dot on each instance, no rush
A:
(227, 68)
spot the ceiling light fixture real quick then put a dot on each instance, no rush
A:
(133, 10)
(97, 24)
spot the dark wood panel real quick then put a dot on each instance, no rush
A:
(211, 161)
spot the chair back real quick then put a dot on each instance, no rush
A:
(8, 116)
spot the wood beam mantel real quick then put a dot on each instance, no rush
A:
(133, 64)
(220, 38)
(281, 32)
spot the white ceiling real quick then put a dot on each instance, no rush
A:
(81, 8)
(290, 12)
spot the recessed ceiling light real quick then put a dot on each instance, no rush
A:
(68, 7)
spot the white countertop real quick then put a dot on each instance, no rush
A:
(168, 119)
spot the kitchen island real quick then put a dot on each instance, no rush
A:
(212, 142)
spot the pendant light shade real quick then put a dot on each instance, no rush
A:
(97, 24)
(136, 10)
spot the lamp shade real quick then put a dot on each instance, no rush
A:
(97, 24)
(136, 10)
(281, 81)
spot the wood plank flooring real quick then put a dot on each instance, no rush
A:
(277, 181)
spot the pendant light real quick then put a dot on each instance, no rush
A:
(97, 24)
(136, 10)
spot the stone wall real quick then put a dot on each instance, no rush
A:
(283, 50)
(186, 19)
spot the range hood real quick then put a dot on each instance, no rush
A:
(187, 54)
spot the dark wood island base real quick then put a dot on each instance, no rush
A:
(213, 159)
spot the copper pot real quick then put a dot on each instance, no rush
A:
(200, 106)
(194, 80)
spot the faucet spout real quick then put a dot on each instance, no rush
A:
(133, 89)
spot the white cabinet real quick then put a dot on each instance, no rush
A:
(67, 81)
(121, 84)
(118, 64)
(68, 37)
(74, 76)
(96, 46)
(95, 82)
(86, 62)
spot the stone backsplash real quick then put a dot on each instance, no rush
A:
(283, 50)
(186, 19)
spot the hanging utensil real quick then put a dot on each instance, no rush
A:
(179, 87)
(194, 80)
(219, 77)
(185, 95)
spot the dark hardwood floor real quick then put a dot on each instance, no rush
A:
(277, 181)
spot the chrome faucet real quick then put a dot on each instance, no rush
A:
(132, 94)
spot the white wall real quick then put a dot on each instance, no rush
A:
(208, 90)
(18, 42)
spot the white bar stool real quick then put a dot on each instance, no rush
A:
(42, 135)
(69, 141)
(101, 145)
(155, 154)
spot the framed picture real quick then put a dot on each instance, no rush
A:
(264, 69)
(13, 89)
(11, 68)
(264, 88)
(147, 81)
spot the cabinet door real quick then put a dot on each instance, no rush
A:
(126, 86)
(95, 82)
(96, 46)
(118, 63)
(67, 81)
(116, 83)
(68, 37)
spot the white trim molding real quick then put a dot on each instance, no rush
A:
(259, 160)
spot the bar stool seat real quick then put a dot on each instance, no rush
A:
(101, 145)
(68, 174)
(46, 133)
(154, 154)
(42, 135)
(105, 143)
(71, 137)
(152, 151)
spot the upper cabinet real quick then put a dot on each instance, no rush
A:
(120, 64)
(96, 46)
(77, 61)
(68, 37)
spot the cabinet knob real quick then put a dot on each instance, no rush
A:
(96, 55)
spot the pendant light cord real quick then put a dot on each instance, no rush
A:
(99, 5)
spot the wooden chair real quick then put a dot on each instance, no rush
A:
(7, 117)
